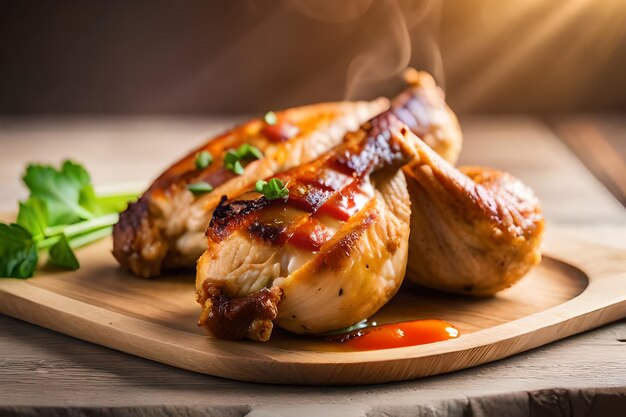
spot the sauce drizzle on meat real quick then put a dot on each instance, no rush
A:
(336, 186)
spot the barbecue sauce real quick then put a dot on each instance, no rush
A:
(407, 333)
(280, 132)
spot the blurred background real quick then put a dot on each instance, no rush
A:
(242, 56)
(552, 69)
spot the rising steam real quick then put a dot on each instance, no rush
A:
(386, 49)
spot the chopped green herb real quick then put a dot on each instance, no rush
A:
(62, 212)
(233, 158)
(273, 189)
(232, 162)
(270, 118)
(200, 187)
(203, 159)
(238, 168)
(247, 151)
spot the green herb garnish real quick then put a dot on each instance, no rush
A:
(61, 254)
(18, 252)
(200, 188)
(233, 159)
(62, 190)
(232, 162)
(273, 189)
(270, 118)
(203, 159)
(247, 151)
(62, 212)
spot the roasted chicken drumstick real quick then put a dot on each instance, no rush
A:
(474, 230)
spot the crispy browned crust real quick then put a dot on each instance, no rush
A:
(507, 198)
(372, 148)
(228, 216)
(169, 189)
(336, 256)
(421, 107)
(238, 318)
(428, 116)
(135, 234)
(474, 230)
(125, 231)
(137, 227)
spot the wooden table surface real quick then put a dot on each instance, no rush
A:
(52, 374)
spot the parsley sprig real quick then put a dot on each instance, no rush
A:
(272, 189)
(62, 213)
(233, 160)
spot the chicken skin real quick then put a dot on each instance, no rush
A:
(165, 228)
(329, 253)
(333, 249)
(473, 231)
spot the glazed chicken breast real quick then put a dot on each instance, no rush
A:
(334, 246)
(474, 230)
(328, 253)
(333, 250)
(165, 228)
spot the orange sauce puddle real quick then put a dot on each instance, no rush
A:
(408, 333)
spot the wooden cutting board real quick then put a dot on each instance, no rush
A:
(578, 286)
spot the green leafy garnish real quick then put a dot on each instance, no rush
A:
(203, 159)
(232, 162)
(33, 216)
(61, 254)
(18, 252)
(200, 187)
(273, 189)
(61, 191)
(233, 159)
(270, 118)
(62, 212)
(108, 203)
(247, 151)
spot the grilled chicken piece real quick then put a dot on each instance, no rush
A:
(473, 231)
(165, 228)
(335, 251)
(329, 255)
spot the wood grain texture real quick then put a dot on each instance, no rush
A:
(600, 145)
(47, 370)
(578, 287)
